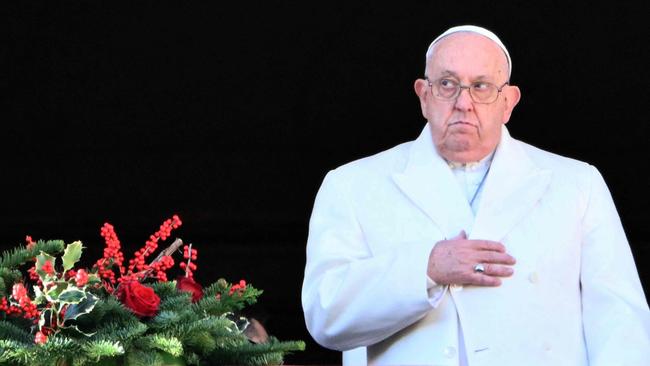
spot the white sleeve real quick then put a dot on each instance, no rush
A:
(616, 319)
(435, 291)
(350, 297)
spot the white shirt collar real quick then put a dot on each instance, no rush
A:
(482, 164)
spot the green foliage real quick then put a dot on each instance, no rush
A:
(71, 296)
(87, 325)
(192, 358)
(202, 341)
(83, 307)
(225, 302)
(176, 302)
(13, 353)
(215, 288)
(109, 309)
(57, 346)
(20, 255)
(41, 259)
(8, 277)
(95, 350)
(124, 332)
(13, 332)
(71, 255)
(165, 289)
(144, 358)
(270, 353)
(168, 344)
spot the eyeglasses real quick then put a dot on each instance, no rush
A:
(480, 91)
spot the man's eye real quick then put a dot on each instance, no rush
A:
(481, 86)
(446, 83)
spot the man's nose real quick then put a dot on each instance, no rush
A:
(464, 101)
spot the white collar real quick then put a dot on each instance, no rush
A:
(474, 165)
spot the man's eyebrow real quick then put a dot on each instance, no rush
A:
(454, 74)
(449, 73)
(446, 73)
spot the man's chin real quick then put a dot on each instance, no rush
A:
(461, 143)
(462, 149)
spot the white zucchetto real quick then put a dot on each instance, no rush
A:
(478, 30)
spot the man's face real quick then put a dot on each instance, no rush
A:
(463, 130)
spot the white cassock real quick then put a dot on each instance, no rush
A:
(575, 297)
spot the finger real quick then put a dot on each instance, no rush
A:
(488, 245)
(479, 279)
(496, 257)
(496, 270)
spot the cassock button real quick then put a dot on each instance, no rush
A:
(450, 352)
(533, 277)
(547, 346)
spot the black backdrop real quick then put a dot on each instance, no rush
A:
(230, 115)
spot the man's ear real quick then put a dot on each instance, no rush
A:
(512, 95)
(422, 89)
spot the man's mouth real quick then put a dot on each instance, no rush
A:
(462, 123)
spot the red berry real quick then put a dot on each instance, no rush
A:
(81, 278)
(40, 338)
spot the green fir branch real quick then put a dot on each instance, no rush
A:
(239, 300)
(164, 289)
(228, 337)
(15, 333)
(145, 358)
(216, 326)
(226, 304)
(210, 305)
(123, 332)
(270, 353)
(56, 351)
(172, 321)
(20, 255)
(165, 320)
(8, 277)
(213, 289)
(96, 350)
(192, 358)
(109, 309)
(106, 313)
(21, 323)
(14, 353)
(202, 342)
(275, 358)
(168, 344)
(178, 301)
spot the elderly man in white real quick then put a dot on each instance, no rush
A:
(467, 246)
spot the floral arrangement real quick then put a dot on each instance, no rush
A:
(118, 313)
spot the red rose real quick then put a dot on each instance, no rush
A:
(142, 300)
(189, 285)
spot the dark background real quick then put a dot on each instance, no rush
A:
(230, 115)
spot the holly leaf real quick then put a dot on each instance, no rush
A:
(84, 307)
(72, 296)
(38, 294)
(45, 319)
(41, 259)
(71, 255)
(52, 294)
(74, 328)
